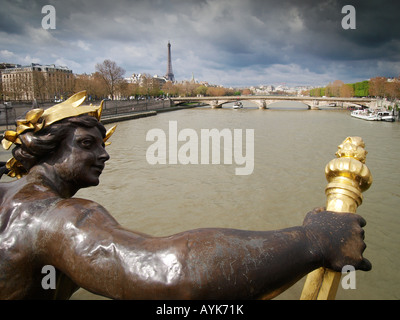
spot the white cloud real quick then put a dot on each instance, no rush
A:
(11, 57)
(5, 54)
(73, 65)
(82, 45)
(41, 37)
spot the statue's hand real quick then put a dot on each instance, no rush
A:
(338, 237)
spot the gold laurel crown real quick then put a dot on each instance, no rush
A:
(37, 119)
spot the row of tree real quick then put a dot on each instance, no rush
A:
(376, 87)
(108, 81)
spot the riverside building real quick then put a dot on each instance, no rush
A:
(35, 81)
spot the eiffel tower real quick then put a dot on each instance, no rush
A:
(170, 75)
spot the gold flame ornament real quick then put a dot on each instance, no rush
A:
(37, 119)
(348, 177)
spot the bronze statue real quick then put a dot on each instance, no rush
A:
(59, 151)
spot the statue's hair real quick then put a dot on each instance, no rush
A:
(36, 146)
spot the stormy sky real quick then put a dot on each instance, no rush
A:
(228, 42)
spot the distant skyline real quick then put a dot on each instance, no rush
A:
(229, 42)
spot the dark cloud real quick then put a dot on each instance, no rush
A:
(235, 41)
(8, 25)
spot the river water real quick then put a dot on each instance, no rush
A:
(292, 145)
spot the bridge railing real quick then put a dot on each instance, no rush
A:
(283, 98)
(121, 108)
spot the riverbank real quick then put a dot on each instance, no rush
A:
(122, 117)
(137, 115)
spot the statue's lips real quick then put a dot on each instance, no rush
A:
(99, 168)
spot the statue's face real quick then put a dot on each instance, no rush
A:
(81, 157)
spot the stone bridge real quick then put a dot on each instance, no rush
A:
(263, 101)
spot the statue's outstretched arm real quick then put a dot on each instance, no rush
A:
(91, 248)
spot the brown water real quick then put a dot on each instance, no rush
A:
(291, 148)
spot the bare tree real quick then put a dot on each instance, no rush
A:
(377, 86)
(333, 89)
(170, 88)
(111, 75)
(346, 91)
(392, 89)
(39, 85)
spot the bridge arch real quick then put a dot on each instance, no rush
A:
(277, 104)
(264, 101)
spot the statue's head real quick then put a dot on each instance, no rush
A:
(67, 136)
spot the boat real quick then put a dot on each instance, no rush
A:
(373, 116)
(363, 114)
(385, 116)
(238, 105)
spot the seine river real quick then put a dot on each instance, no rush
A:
(292, 145)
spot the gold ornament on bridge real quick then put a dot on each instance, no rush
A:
(352, 147)
(348, 177)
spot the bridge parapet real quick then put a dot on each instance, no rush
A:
(263, 102)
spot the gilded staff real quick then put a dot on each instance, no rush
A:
(348, 177)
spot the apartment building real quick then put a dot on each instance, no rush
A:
(35, 81)
(2, 67)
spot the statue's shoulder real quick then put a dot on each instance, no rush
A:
(79, 210)
(80, 204)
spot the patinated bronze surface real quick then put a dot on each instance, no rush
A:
(42, 224)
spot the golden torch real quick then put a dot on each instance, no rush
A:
(348, 177)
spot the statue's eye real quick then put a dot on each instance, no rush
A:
(86, 143)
